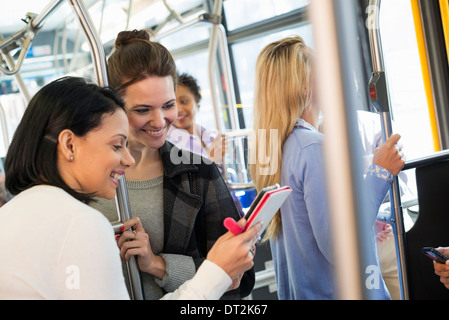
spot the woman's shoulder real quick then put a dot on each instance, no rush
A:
(303, 137)
(52, 200)
(48, 208)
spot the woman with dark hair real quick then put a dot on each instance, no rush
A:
(180, 198)
(70, 147)
(68, 106)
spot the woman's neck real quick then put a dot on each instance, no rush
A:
(148, 163)
(311, 116)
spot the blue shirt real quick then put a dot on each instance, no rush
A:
(302, 252)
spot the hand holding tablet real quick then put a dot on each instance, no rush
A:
(263, 208)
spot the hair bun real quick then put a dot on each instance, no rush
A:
(125, 37)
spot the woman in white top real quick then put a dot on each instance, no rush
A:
(69, 147)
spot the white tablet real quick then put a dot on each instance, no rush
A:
(266, 204)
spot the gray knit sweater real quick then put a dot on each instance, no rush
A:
(145, 198)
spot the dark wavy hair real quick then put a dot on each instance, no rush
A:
(191, 83)
(67, 103)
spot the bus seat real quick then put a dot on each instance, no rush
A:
(431, 229)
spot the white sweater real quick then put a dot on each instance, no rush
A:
(53, 246)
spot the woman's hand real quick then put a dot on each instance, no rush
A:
(137, 243)
(218, 148)
(235, 254)
(383, 231)
(389, 155)
(236, 281)
(442, 270)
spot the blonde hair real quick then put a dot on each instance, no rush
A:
(282, 93)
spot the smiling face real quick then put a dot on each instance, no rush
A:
(151, 109)
(187, 108)
(100, 157)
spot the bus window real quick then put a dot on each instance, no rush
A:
(242, 13)
(245, 65)
(184, 37)
(196, 65)
(408, 102)
(402, 66)
(13, 105)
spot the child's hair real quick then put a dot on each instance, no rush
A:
(190, 82)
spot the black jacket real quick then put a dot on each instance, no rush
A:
(196, 202)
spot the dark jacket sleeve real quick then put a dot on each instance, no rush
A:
(196, 202)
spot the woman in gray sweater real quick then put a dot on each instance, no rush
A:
(180, 198)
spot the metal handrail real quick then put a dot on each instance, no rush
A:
(27, 34)
(17, 76)
(218, 40)
(381, 101)
(427, 160)
(97, 50)
(334, 42)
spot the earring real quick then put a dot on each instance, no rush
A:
(71, 159)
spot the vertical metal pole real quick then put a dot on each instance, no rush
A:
(381, 101)
(212, 60)
(218, 36)
(233, 115)
(227, 77)
(336, 47)
(99, 62)
(97, 50)
(213, 41)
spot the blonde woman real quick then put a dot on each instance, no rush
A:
(286, 126)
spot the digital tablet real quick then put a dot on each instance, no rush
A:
(266, 204)
(264, 207)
